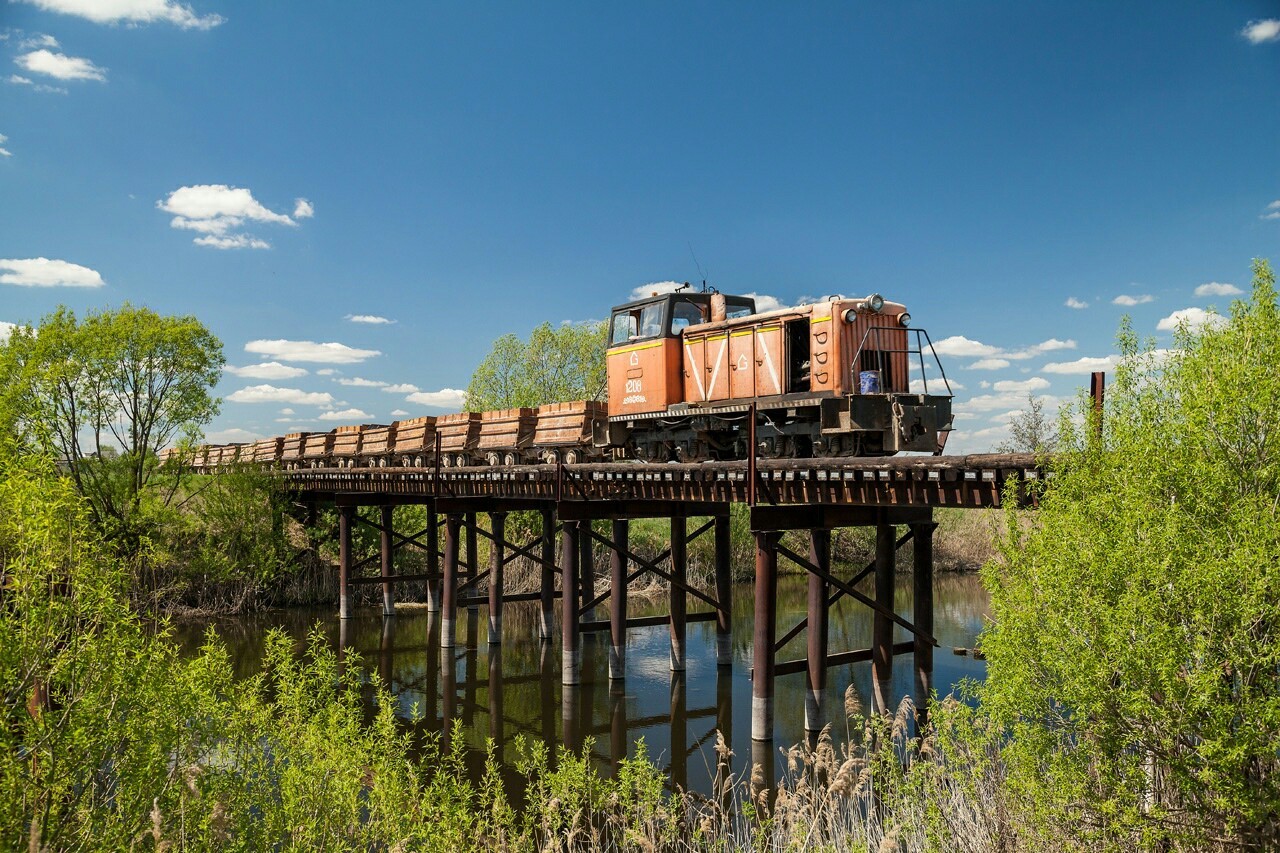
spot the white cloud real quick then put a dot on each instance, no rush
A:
(1006, 417)
(1005, 400)
(989, 364)
(371, 319)
(328, 371)
(357, 382)
(1193, 318)
(215, 210)
(326, 353)
(43, 272)
(1129, 301)
(1087, 364)
(1274, 207)
(1051, 345)
(267, 370)
(959, 345)
(402, 388)
(1024, 386)
(995, 358)
(1216, 288)
(272, 394)
(6, 329)
(132, 12)
(303, 209)
(235, 435)
(399, 413)
(644, 291)
(1078, 304)
(286, 411)
(3, 151)
(936, 385)
(1257, 32)
(37, 40)
(60, 66)
(19, 80)
(765, 302)
(345, 415)
(445, 398)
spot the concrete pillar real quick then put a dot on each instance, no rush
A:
(388, 551)
(449, 583)
(763, 656)
(433, 561)
(546, 622)
(618, 601)
(344, 561)
(571, 653)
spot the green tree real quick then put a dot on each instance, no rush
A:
(556, 364)
(1030, 431)
(102, 394)
(1134, 655)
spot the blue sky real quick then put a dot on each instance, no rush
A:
(282, 170)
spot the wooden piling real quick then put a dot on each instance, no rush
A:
(497, 556)
(547, 589)
(724, 592)
(571, 654)
(763, 656)
(449, 583)
(618, 600)
(817, 638)
(388, 552)
(881, 625)
(344, 561)
(678, 598)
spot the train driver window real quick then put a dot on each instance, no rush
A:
(644, 321)
(686, 313)
(736, 306)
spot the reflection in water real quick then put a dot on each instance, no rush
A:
(503, 692)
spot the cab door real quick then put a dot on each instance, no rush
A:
(742, 363)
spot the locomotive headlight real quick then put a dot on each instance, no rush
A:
(904, 319)
(874, 302)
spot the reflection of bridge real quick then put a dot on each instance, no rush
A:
(817, 495)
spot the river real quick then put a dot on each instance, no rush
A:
(511, 690)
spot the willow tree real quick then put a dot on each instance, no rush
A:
(102, 394)
(1134, 655)
(556, 364)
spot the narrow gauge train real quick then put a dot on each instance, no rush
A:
(833, 378)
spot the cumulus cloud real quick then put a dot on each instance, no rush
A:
(3, 151)
(357, 382)
(445, 398)
(1078, 304)
(19, 80)
(1193, 318)
(43, 272)
(402, 388)
(272, 394)
(1217, 288)
(286, 411)
(1265, 30)
(303, 209)
(1087, 364)
(989, 364)
(397, 413)
(936, 385)
(267, 370)
(644, 291)
(959, 345)
(1274, 210)
(60, 66)
(765, 302)
(217, 210)
(1006, 400)
(1023, 386)
(37, 40)
(345, 415)
(235, 435)
(6, 329)
(132, 12)
(1050, 345)
(310, 351)
(371, 319)
(995, 358)
(1129, 301)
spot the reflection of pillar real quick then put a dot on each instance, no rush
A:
(448, 696)
(546, 624)
(679, 732)
(473, 561)
(344, 639)
(922, 612)
(762, 640)
(433, 560)
(497, 521)
(547, 697)
(763, 773)
(449, 583)
(570, 701)
(388, 599)
(586, 567)
(618, 601)
(679, 576)
(496, 721)
(571, 657)
(344, 561)
(385, 650)
(881, 625)
(471, 662)
(433, 666)
(820, 556)
(617, 725)
(724, 593)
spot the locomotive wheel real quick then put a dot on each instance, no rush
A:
(509, 458)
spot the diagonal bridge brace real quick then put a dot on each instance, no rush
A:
(662, 573)
(644, 567)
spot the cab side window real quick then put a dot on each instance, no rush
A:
(684, 313)
(636, 323)
(625, 327)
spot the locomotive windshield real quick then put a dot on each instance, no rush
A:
(636, 322)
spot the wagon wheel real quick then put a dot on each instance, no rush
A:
(509, 458)
(551, 457)
(492, 459)
(446, 460)
(572, 456)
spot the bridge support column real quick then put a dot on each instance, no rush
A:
(388, 597)
(679, 599)
(497, 555)
(679, 732)
(449, 583)
(618, 601)
(816, 633)
(571, 653)
(586, 567)
(546, 624)
(922, 612)
(433, 561)
(473, 559)
(763, 656)
(881, 625)
(344, 561)
(724, 593)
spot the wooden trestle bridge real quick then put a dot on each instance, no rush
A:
(817, 495)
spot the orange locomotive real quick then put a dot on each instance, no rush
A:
(828, 379)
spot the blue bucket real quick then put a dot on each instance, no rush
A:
(869, 382)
